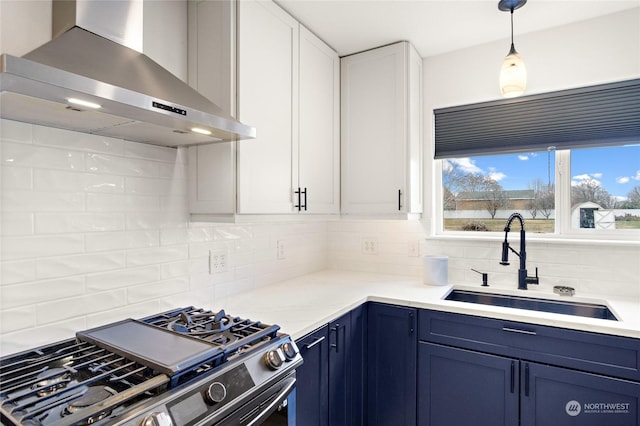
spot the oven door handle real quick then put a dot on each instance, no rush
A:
(288, 385)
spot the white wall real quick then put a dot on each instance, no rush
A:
(590, 52)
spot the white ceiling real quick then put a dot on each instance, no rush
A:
(436, 26)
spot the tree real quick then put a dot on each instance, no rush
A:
(494, 198)
(591, 190)
(633, 199)
(455, 180)
(546, 203)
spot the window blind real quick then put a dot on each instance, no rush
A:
(601, 115)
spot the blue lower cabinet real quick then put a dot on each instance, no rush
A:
(330, 381)
(391, 372)
(312, 379)
(560, 396)
(461, 387)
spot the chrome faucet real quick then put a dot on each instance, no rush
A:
(523, 279)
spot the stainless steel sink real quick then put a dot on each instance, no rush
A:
(590, 310)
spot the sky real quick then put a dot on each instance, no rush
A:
(617, 169)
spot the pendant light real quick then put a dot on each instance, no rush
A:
(513, 74)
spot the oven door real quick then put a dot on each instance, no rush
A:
(262, 409)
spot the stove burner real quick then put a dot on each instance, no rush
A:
(92, 396)
(203, 324)
(51, 380)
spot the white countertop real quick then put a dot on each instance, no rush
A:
(302, 304)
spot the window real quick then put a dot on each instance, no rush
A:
(479, 193)
(605, 188)
(568, 161)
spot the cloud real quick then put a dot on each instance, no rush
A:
(623, 179)
(637, 176)
(586, 178)
(523, 157)
(497, 176)
(466, 165)
(596, 175)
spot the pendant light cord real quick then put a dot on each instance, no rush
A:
(512, 26)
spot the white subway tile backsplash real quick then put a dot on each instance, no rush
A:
(29, 293)
(17, 224)
(71, 307)
(17, 271)
(61, 223)
(17, 319)
(143, 292)
(154, 255)
(58, 180)
(122, 278)
(36, 201)
(15, 154)
(22, 247)
(51, 267)
(120, 166)
(122, 203)
(15, 131)
(105, 241)
(76, 141)
(16, 178)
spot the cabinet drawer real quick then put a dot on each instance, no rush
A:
(600, 353)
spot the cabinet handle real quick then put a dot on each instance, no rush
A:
(336, 330)
(513, 376)
(399, 199)
(315, 342)
(297, 192)
(517, 330)
(411, 323)
(526, 379)
(305, 199)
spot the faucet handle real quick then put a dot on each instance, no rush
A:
(533, 280)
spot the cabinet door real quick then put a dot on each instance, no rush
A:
(391, 393)
(212, 70)
(312, 379)
(340, 371)
(358, 349)
(319, 117)
(374, 130)
(461, 387)
(559, 396)
(267, 98)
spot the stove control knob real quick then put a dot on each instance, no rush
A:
(274, 359)
(158, 418)
(217, 392)
(290, 350)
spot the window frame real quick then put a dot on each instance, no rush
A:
(563, 230)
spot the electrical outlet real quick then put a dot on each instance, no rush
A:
(280, 249)
(370, 246)
(414, 248)
(218, 261)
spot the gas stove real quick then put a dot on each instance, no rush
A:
(187, 366)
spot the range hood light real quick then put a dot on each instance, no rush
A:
(200, 131)
(86, 104)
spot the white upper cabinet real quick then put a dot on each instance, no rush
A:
(381, 132)
(267, 98)
(212, 71)
(318, 174)
(288, 88)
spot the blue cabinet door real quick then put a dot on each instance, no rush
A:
(392, 343)
(559, 397)
(340, 371)
(461, 387)
(358, 362)
(312, 379)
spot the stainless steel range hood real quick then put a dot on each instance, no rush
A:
(95, 57)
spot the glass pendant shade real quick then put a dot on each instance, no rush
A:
(513, 75)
